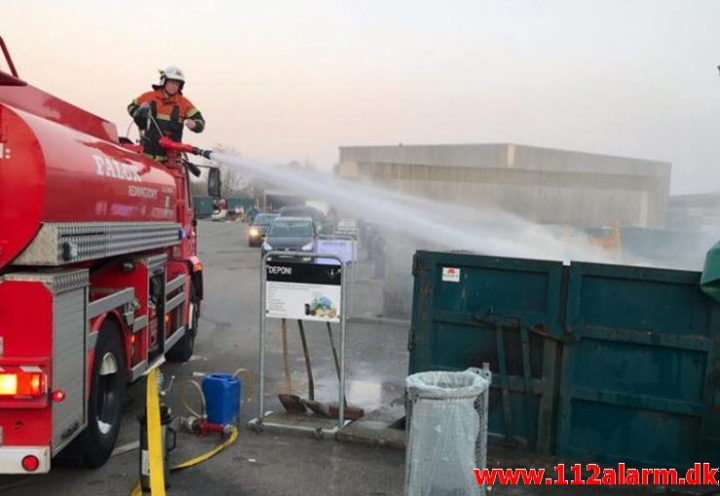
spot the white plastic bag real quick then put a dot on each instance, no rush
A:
(444, 435)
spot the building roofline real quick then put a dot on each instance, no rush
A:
(518, 145)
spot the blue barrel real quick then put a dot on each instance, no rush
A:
(222, 398)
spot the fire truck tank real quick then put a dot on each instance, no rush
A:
(62, 171)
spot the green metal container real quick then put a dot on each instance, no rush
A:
(244, 202)
(204, 206)
(595, 362)
(470, 309)
(640, 368)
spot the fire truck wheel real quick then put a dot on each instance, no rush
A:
(106, 398)
(184, 349)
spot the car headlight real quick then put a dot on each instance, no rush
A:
(266, 246)
(307, 247)
(254, 232)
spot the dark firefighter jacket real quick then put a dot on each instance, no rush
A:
(169, 112)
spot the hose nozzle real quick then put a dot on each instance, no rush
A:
(203, 153)
(171, 145)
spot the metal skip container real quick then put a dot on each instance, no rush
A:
(594, 362)
(447, 433)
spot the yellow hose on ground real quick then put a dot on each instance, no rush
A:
(199, 459)
(152, 399)
(137, 490)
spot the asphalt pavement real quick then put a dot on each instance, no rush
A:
(266, 463)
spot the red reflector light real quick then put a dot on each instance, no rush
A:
(30, 463)
(58, 395)
(35, 385)
(22, 384)
(8, 384)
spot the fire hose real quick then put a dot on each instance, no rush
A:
(171, 145)
(155, 449)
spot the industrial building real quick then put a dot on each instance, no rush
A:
(700, 212)
(541, 184)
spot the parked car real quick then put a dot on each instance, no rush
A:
(290, 234)
(258, 229)
(316, 215)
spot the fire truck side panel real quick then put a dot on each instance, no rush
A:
(69, 365)
(135, 332)
(43, 306)
(26, 338)
(177, 269)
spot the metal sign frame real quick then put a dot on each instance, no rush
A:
(353, 273)
(259, 422)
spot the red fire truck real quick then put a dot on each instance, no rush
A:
(99, 278)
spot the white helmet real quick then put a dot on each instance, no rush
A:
(171, 73)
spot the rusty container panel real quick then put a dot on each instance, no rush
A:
(471, 309)
(640, 368)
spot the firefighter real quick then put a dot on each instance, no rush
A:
(164, 111)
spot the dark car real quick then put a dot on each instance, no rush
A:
(316, 215)
(290, 234)
(258, 229)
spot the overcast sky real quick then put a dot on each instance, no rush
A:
(293, 79)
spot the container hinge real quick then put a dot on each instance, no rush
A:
(411, 340)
